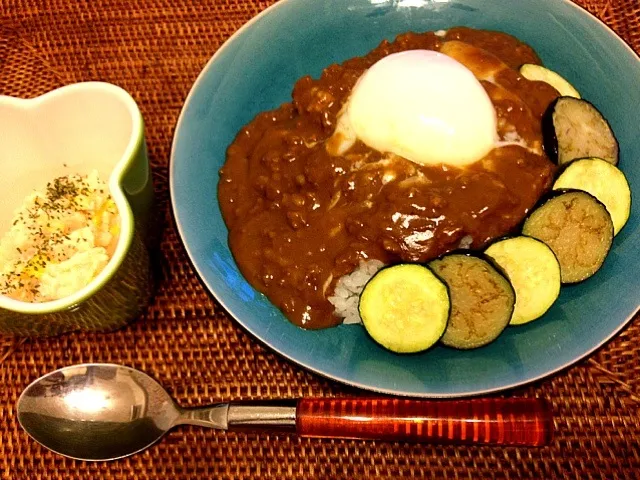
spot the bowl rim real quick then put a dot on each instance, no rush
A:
(233, 38)
(116, 177)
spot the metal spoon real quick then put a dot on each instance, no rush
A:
(104, 412)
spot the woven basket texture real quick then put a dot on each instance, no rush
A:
(155, 49)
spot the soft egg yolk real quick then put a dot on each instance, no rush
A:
(421, 105)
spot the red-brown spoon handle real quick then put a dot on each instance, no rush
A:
(498, 421)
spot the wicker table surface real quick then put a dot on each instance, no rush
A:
(155, 49)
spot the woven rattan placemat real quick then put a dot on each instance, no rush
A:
(155, 49)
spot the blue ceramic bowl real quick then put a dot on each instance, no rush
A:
(256, 69)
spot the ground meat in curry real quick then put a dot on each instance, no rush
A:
(299, 217)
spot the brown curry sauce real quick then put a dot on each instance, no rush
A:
(299, 218)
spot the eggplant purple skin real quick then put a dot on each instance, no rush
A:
(556, 193)
(482, 256)
(551, 194)
(437, 341)
(549, 138)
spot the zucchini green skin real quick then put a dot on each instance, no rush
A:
(398, 326)
(568, 277)
(534, 296)
(558, 153)
(460, 333)
(538, 73)
(604, 181)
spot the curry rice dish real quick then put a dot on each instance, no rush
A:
(302, 214)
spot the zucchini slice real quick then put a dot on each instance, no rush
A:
(482, 300)
(573, 128)
(534, 72)
(534, 272)
(579, 230)
(405, 308)
(602, 180)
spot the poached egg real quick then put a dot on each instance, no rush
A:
(421, 105)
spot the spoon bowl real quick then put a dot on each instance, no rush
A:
(96, 411)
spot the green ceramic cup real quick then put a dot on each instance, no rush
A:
(77, 129)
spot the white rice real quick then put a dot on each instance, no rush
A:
(348, 289)
(466, 242)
